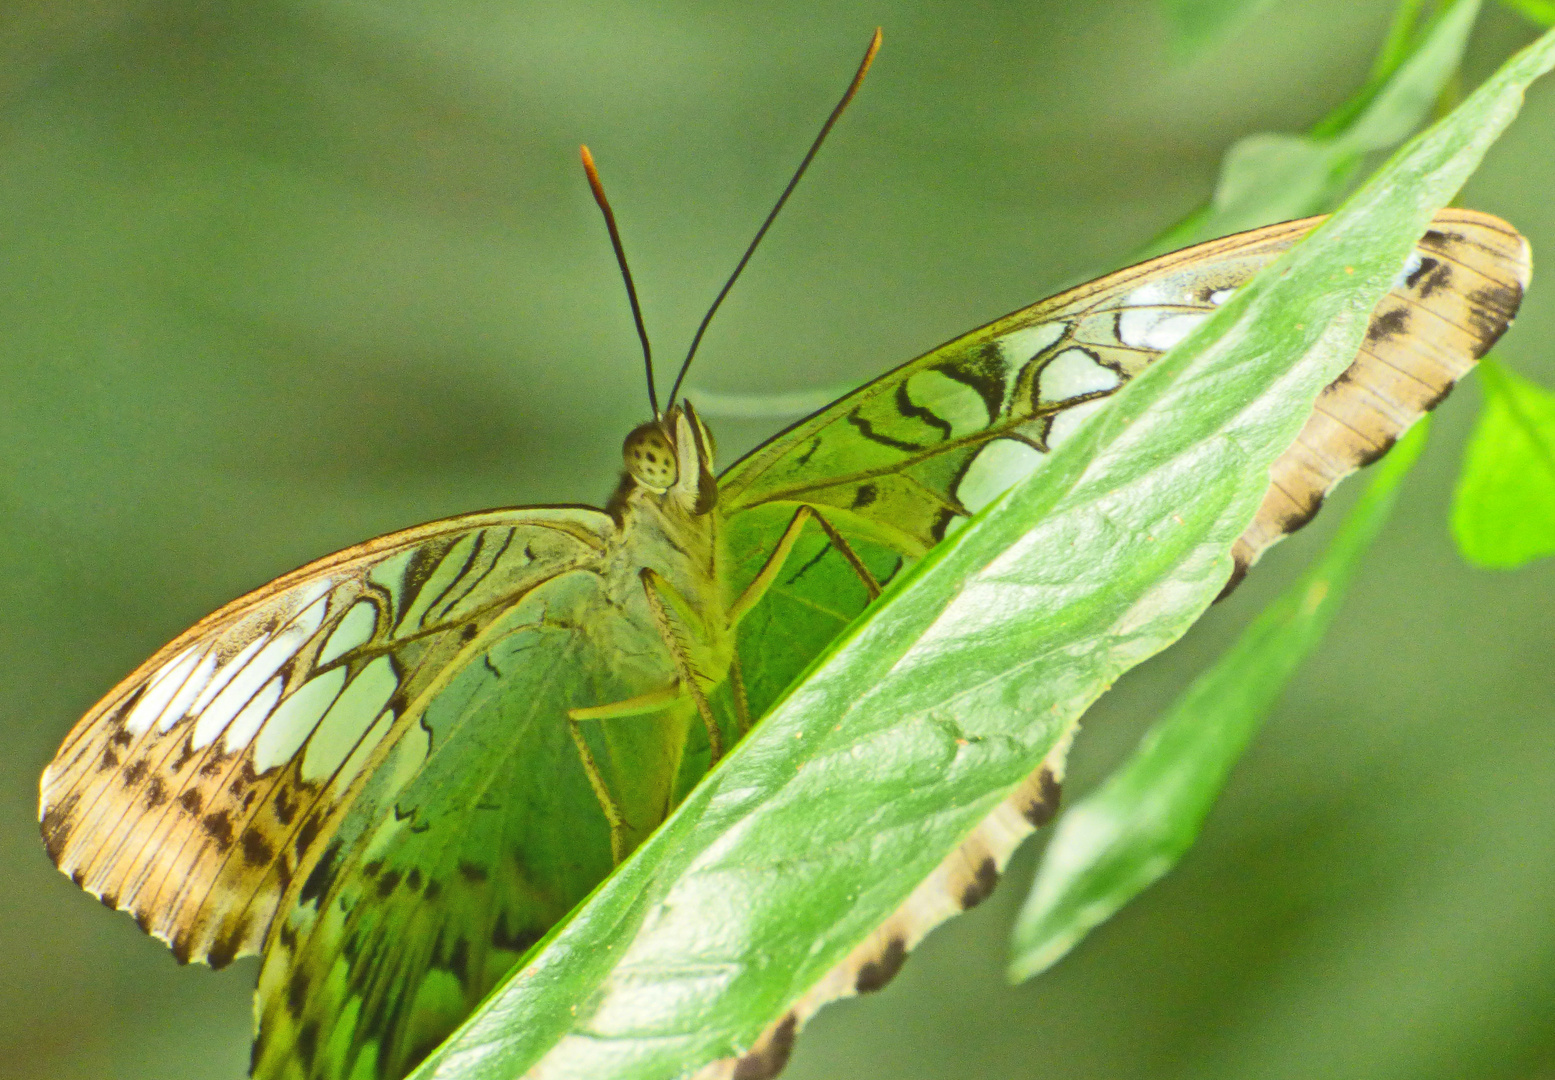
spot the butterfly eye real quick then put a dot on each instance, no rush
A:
(650, 458)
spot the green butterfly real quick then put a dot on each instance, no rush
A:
(392, 770)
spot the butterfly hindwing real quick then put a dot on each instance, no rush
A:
(196, 793)
(429, 893)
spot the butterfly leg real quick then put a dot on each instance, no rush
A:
(658, 590)
(769, 571)
(742, 709)
(653, 701)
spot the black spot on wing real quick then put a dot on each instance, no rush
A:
(297, 991)
(190, 801)
(281, 805)
(883, 968)
(981, 886)
(108, 760)
(474, 873)
(185, 755)
(1420, 272)
(388, 883)
(156, 793)
(322, 875)
(308, 833)
(218, 826)
(515, 939)
(459, 961)
(1039, 807)
(1390, 324)
(58, 823)
(1491, 310)
(225, 948)
(256, 849)
(308, 1043)
(135, 772)
(863, 496)
(768, 1057)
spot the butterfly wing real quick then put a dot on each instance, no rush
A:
(388, 723)
(903, 460)
(898, 463)
(906, 456)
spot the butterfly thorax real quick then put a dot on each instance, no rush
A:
(666, 524)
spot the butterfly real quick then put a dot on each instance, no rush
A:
(392, 770)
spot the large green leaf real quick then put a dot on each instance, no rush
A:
(928, 709)
(1124, 836)
(1503, 513)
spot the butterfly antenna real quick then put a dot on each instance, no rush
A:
(847, 96)
(626, 274)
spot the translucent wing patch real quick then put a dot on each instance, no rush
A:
(204, 785)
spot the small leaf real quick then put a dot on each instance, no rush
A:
(1196, 24)
(1541, 12)
(1503, 513)
(1271, 177)
(1123, 837)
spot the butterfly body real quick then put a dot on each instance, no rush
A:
(392, 770)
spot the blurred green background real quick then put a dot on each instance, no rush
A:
(280, 276)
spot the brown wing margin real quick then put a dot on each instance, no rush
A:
(194, 840)
(1456, 298)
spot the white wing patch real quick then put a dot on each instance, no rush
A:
(1019, 346)
(1068, 422)
(160, 690)
(995, 469)
(352, 714)
(355, 629)
(290, 725)
(1156, 329)
(247, 722)
(1075, 373)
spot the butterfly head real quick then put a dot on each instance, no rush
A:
(673, 456)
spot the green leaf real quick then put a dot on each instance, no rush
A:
(1275, 177)
(929, 708)
(1541, 12)
(1111, 846)
(1196, 24)
(1503, 513)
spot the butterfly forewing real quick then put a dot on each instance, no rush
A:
(906, 456)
